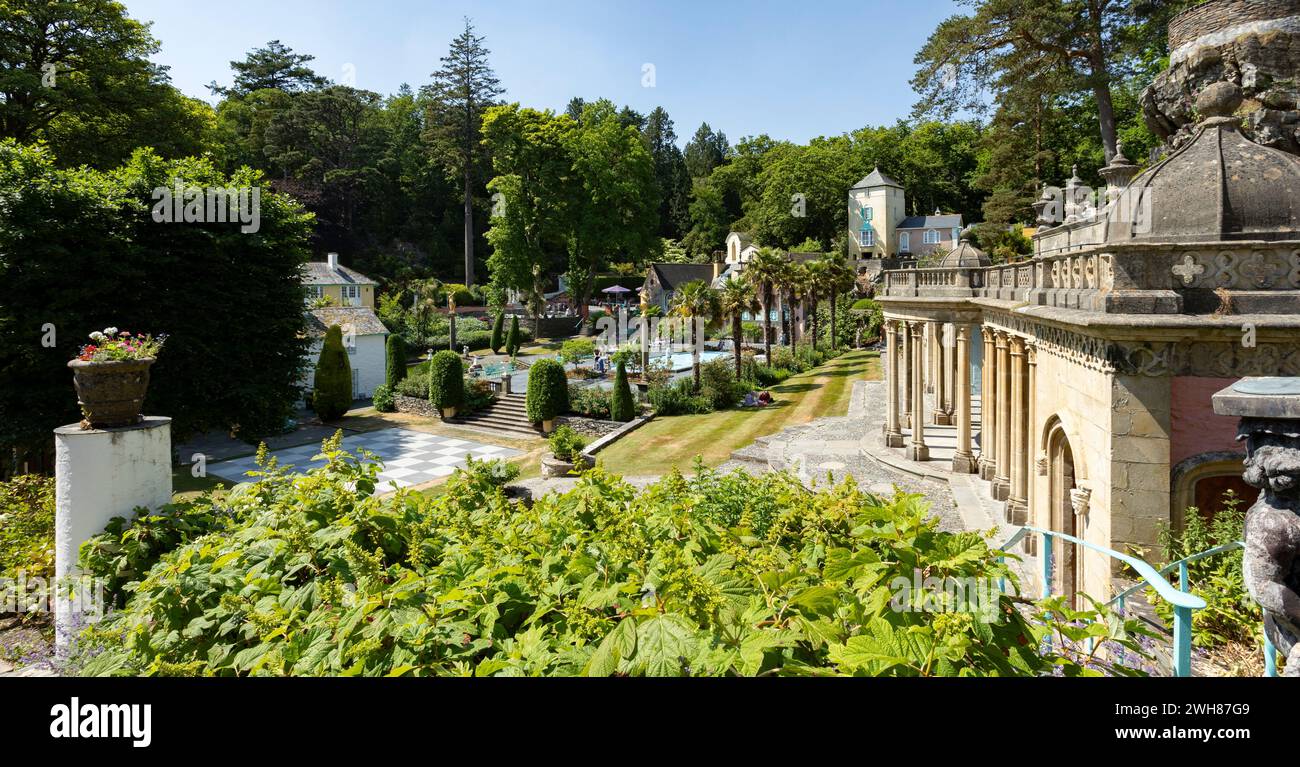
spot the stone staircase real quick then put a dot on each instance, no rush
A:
(507, 416)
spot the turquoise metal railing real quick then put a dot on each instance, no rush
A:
(1183, 601)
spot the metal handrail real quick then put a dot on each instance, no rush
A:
(1183, 601)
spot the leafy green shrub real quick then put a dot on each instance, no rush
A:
(128, 548)
(575, 350)
(446, 380)
(737, 576)
(514, 339)
(752, 331)
(498, 333)
(589, 401)
(463, 295)
(622, 406)
(395, 349)
(718, 384)
(383, 399)
(27, 526)
(678, 399)
(1231, 615)
(566, 444)
(415, 385)
(498, 472)
(548, 391)
(478, 395)
(332, 387)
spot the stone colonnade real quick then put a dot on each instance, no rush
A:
(930, 356)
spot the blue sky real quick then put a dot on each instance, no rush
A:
(793, 69)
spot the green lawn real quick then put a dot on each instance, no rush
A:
(675, 441)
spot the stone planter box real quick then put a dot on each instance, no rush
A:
(111, 394)
(553, 467)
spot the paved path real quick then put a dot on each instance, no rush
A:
(410, 457)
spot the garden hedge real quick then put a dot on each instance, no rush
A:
(332, 389)
(548, 391)
(622, 407)
(446, 380)
(396, 351)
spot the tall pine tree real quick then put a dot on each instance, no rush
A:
(462, 89)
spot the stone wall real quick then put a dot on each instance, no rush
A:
(1252, 43)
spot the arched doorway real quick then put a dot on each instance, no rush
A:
(1067, 569)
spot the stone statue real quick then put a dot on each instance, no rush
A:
(1272, 557)
(1269, 409)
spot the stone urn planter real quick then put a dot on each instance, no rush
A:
(553, 467)
(448, 413)
(548, 426)
(111, 394)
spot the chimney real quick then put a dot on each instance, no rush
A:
(717, 268)
(333, 260)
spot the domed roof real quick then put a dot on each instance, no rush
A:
(1220, 186)
(965, 255)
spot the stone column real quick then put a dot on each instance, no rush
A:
(988, 406)
(1017, 510)
(893, 432)
(906, 364)
(1002, 470)
(100, 474)
(963, 462)
(1031, 434)
(917, 450)
(943, 376)
(932, 358)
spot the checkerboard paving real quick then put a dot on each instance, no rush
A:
(409, 457)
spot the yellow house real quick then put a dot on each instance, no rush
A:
(345, 286)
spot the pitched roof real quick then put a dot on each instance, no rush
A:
(319, 273)
(361, 319)
(946, 221)
(803, 257)
(673, 276)
(876, 178)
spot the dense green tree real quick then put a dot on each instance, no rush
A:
(461, 90)
(513, 339)
(80, 250)
(78, 76)
(709, 220)
(706, 150)
(672, 181)
(332, 385)
(275, 67)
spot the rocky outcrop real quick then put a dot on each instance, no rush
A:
(1254, 44)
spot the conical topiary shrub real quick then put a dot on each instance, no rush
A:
(548, 391)
(498, 332)
(621, 405)
(512, 340)
(332, 389)
(396, 351)
(446, 382)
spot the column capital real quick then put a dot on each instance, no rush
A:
(1017, 346)
(1031, 351)
(963, 332)
(1001, 338)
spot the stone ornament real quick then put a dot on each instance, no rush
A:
(1270, 425)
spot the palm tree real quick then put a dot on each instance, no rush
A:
(796, 283)
(736, 298)
(695, 302)
(762, 273)
(839, 279)
(817, 276)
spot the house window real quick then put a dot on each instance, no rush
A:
(956, 234)
(351, 295)
(867, 214)
(905, 242)
(868, 238)
(314, 293)
(931, 236)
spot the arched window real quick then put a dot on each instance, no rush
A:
(931, 236)
(905, 242)
(1202, 481)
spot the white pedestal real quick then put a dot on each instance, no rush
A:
(101, 474)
